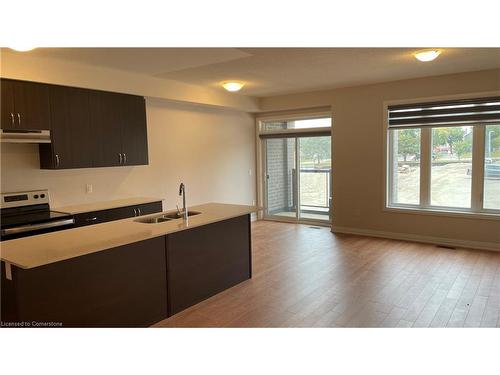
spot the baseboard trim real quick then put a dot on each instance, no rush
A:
(418, 238)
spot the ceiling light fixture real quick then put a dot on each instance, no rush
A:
(233, 86)
(23, 48)
(427, 55)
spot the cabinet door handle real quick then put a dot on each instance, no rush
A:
(120, 157)
(124, 158)
(139, 210)
(19, 118)
(12, 119)
(57, 160)
(135, 211)
(91, 218)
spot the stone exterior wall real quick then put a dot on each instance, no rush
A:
(280, 164)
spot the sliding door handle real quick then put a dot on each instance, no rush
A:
(120, 158)
(12, 119)
(124, 158)
(19, 118)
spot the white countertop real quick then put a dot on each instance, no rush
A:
(42, 249)
(106, 205)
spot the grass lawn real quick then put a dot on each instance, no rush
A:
(450, 186)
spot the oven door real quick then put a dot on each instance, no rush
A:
(38, 228)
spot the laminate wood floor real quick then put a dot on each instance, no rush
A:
(307, 277)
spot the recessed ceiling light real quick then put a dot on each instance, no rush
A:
(233, 86)
(23, 48)
(427, 55)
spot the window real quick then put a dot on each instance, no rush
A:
(492, 168)
(445, 156)
(301, 123)
(406, 166)
(451, 169)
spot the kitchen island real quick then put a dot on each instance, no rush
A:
(125, 273)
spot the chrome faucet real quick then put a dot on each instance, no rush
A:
(182, 191)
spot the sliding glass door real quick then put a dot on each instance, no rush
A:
(298, 178)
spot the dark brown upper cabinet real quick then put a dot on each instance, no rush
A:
(105, 119)
(25, 105)
(91, 128)
(134, 132)
(118, 123)
(31, 101)
(71, 145)
(7, 99)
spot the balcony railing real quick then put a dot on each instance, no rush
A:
(315, 189)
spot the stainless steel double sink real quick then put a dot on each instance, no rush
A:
(165, 217)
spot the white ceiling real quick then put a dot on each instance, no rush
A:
(274, 71)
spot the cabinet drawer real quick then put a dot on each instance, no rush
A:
(89, 218)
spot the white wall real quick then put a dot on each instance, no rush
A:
(358, 150)
(210, 150)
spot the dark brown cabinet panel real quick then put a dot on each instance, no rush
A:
(134, 132)
(131, 211)
(31, 101)
(150, 208)
(27, 105)
(102, 216)
(9, 120)
(119, 130)
(71, 145)
(204, 261)
(120, 287)
(106, 123)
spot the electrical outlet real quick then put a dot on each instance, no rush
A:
(89, 188)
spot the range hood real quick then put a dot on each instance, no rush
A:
(24, 136)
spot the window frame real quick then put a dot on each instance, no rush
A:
(261, 131)
(424, 207)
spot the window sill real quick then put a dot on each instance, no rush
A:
(445, 213)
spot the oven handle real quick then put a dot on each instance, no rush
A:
(33, 227)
